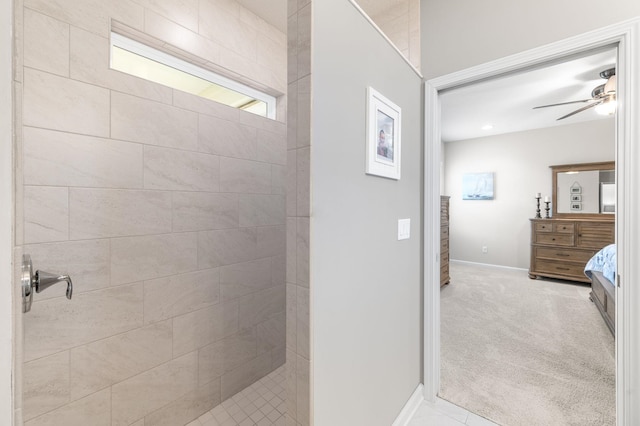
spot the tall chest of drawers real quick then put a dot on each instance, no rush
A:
(560, 248)
(445, 278)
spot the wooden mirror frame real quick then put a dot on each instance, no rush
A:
(605, 165)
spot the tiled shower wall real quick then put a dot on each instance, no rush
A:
(167, 210)
(299, 359)
(401, 23)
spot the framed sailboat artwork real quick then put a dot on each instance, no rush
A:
(477, 186)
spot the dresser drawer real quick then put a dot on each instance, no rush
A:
(444, 257)
(560, 268)
(543, 227)
(444, 232)
(444, 245)
(581, 256)
(554, 238)
(564, 228)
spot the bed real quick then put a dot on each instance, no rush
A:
(601, 270)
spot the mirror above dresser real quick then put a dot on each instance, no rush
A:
(585, 190)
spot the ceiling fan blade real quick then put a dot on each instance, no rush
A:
(584, 108)
(565, 103)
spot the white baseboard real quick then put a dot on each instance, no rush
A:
(488, 265)
(410, 407)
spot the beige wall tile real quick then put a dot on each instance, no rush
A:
(264, 123)
(46, 43)
(303, 322)
(278, 358)
(302, 256)
(292, 317)
(244, 278)
(303, 391)
(272, 147)
(303, 122)
(148, 257)
(94, 410)
(187, 408)
(244, 176)
(46, 214)
(184, 12)
(46, 384)
(271, 241)
(200, 211)
(143, 394)
(252, 371)
(226, 138)
(278, 269)
(278, 180)
(180, 294)
(65, 159)
(272, 333)
(140, 120)
(197, 329)
(90, 62)
(86, 318)
(103, 213)
(93, 15)
(303, 184)
(304, 41)
(223, 356)
(100, 364)
(272, 53)
(258, 307)
(204, 106)
(261, 210)
(292, 250)
(173, 169)
(292, 47)
(86, 262)
(182, 38)
(227, 29)
(58, 103)
(292, 182)
(290, 369)
(225, 247)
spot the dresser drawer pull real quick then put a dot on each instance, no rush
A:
(562, 269)
(562, 255)
(553, 239)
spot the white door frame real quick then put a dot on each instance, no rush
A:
(6, 213)
(627, 36)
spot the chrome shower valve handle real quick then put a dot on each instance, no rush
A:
(39, 281)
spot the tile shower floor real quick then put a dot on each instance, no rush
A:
(261, 404)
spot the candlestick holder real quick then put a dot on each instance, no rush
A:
(546, 209)
(538, 208)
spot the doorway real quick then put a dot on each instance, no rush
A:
(627, 37)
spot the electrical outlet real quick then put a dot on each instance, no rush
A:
(485, 249)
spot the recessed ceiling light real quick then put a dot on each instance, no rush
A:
(487, 127)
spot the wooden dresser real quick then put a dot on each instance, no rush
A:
(444, 240)
(560, 248)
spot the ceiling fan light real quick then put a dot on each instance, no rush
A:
(607, 107)
(610, 85)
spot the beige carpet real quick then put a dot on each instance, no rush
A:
(525, 352)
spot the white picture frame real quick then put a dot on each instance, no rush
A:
(383, 146)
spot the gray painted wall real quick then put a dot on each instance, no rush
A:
(520, 162)
(366, 297)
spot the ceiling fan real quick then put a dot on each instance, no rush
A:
(603, 97)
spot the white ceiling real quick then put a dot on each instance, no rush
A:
(272, 11)
(507, 102)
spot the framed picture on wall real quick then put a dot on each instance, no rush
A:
(383, 136)
(477, 186)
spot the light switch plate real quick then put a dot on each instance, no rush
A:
(404, 229)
